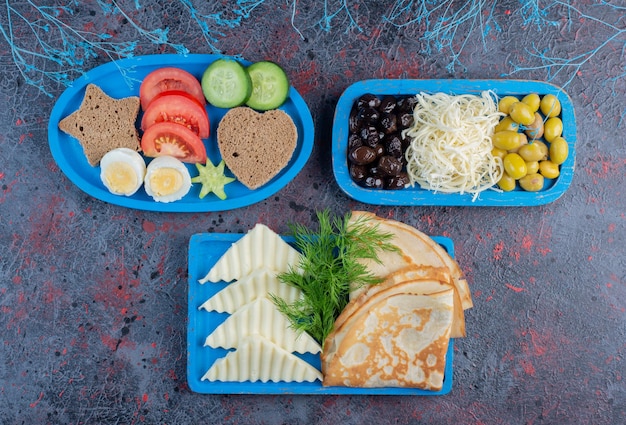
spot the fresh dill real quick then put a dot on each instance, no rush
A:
(329, 268)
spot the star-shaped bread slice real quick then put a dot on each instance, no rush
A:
(103, 123)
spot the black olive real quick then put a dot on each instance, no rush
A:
(405, 143)
(379, 149)
(405, 119)
(375, 172)
(370, 136)
(369, 115)
(373, 182)
(354, 121)
(362, 155)
(364, 132)
(407, 104)
(368, 100)
(388, 123)
(376, 147)
(389, 165)
(358, 172)
(388, 104)
(393, 145)
(398, 182)
(354, 141)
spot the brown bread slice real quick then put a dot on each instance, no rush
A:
(103, 123)
(256, 146)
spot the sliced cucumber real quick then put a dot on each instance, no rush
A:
(226, 83)
(270, 86)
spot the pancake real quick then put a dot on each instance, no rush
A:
(416, 249)
(395, 339)
(426, 279)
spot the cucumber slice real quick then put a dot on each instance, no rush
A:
(226, 83)
(270, 86)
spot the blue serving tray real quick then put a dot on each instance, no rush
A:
(204, 251)
(416, 196)
(123, 78)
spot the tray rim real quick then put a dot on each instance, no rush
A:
(421, 197)
(297, 163)
(284, 388)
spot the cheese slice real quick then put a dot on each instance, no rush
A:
(260, 283)
(258, 359)
(261, 247)
(261, 317)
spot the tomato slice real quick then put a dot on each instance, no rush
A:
(168, 138)
(169, 79)
(180, 93)
(178, 109)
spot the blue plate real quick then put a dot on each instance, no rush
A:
(415, 196)
(122, 79)
(204, 251)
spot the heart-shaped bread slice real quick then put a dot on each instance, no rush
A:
(256, 146)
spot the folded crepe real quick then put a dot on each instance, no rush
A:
(395, 338)
(415, 249)
(426, 280)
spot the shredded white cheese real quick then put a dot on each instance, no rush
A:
(450, 143)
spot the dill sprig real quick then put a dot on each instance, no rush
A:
(329, 267)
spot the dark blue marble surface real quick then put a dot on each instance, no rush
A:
(93, 297)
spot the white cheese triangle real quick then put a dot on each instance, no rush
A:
(261, 317)
(258, 359)
(260, 283)
(261, 247)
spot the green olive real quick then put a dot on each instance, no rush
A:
(504, 105)
(506, 123)
(522, 113)
(497, 152)
(559, 150)
(506, 183)
(548, 169)
(515, 166)
(523, 140)
(506, 140)
(532, 167)
(550, 106)
(531, 182)
(544, 148)
(532, 100)
(532, 152)
(535, 130)
(553, 128)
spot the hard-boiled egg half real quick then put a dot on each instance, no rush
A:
(122, 171)
(167, 179)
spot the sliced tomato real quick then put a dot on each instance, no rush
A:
(168, 138)
(178, 109)
(180, 93)
(169, 79)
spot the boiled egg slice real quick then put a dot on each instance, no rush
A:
(122, 171)
(167, 179)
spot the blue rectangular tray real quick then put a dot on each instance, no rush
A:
(416, 196)
(204, 251)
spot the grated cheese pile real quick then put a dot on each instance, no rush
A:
(450, 143)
